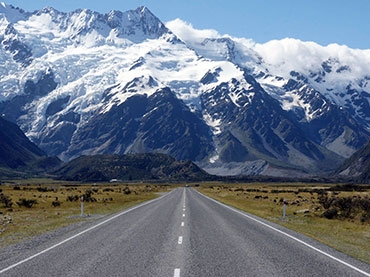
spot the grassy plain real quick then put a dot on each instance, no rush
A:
(57, 204)
(303, 211)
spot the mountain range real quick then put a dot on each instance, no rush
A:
(86, 83)
(20, 158)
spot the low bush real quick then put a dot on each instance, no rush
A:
(330, 213)
(6, 201)
(44, 189)
(73, 198)
(56, 203)
(88, 196)
(350, 207)
(28, 203)
(127, 190)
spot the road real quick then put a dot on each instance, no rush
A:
(182, 233)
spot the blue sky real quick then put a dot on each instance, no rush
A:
(322, 21)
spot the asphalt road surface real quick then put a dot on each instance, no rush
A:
(183, 233)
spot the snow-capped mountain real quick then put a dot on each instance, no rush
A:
(124, 82)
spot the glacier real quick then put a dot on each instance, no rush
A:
(84, 64)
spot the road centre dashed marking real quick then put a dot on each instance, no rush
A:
(176, 272)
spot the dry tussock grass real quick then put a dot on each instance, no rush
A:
(58, 204)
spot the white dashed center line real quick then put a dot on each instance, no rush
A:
(176, 272)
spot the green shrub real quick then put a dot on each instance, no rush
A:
(6, 200)
(44, 189)
(346, 207)
(330, 213)
(73, 198)
(56, 203)
(28, 203)
(127, 190)
(88, 196)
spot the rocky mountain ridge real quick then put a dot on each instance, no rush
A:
(82, 83)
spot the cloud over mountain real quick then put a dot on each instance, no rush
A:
(124, 82)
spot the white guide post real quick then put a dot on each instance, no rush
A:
(82, 206)
(284, 209)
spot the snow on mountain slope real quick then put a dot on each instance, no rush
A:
(229, 102)
(85, 67)
(332, 70)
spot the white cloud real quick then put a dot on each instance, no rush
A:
(293, 54)
(187, 33)
(281, 56)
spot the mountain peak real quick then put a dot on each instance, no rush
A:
(142, 20)
(84, 25)
(83, 82)
(135, 25)
(11, 13)
(143, 9)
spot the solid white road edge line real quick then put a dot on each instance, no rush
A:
(289, 236)
(81, 233)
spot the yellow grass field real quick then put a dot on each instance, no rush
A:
(58, 205)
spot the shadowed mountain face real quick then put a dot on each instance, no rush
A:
(357, 167)
(84, 83)
(159, 123)
(16, 150)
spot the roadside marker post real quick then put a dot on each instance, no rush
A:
(284, 209)
(82, 206)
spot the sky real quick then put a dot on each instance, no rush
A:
(323, 21)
